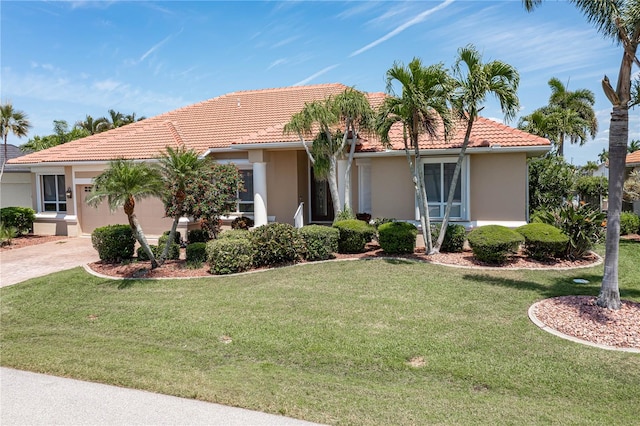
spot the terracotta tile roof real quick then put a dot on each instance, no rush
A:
(240, 118)
(633, 159)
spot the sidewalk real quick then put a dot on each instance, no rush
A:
(37, 399)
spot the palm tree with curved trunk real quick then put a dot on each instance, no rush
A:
(177, 166)
(12, 121)
(90, 124)
(124, 183)
(475, 80)
(618, 20)
(421, 109)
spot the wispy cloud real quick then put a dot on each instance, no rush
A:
(284, 42)
(154, 48)
(360, 8)
(276, 63)
(316, 75)
(418, 19)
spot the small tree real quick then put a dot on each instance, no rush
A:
(210, 193)
(551, 181)
(124, 183)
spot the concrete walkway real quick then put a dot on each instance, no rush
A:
(37, 399)
(42, 259)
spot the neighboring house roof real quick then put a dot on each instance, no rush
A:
(633, 159)
(238, 119)
(13, 152)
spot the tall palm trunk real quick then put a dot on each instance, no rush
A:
(417, 173)
(137, 230)
(347, 173)
(618, 134)
(452, 187)
(333, 186)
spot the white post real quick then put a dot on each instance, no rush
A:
(260, 194)
(342, 168)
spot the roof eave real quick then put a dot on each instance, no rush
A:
(496, 149)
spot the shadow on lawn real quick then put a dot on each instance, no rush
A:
(560, 286)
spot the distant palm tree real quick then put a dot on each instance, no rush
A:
(124, 183)
(633, 146)
(421, 109)
(90, 124)
(604, 156)
(131, 118)
(474, 81)
(618, 20)
(115, 119)
(11, 121)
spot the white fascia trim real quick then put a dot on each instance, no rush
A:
(533, 150)
(216, 150)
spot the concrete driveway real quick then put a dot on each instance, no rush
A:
(42, 259)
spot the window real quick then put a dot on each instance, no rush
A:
(54, 198)
(245, 197)
(438, 177)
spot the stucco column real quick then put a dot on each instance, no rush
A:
(342, 168)
(260, 193)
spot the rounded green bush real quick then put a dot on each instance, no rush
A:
(454, 238)
(198, 236)
(234, 234)
(114, 243)
(163, 238)
(142, 255)
(196, 252)
(20, 218)
(354, 235)
(543, 241)
(629, 223)
(397, 237)
(494, 243)
(229, 256)
(276, 243)
(320, 241)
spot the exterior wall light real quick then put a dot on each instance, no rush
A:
(69, 193)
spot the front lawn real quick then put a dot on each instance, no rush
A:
(351, 342)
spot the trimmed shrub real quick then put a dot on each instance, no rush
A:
(229, 256)
(235, 234)
(7, 233)
(174, 251)
(242, 222)
(114, 243)
(198, 236)
(142, 255)
(196, 252)
(629, 223)
(494, 243)
(380, 220)
(163, 238)
(581, 223)
(354, 235)
(321, 241)
(345, 214)
(543, 241)
(276, 243)
(20, 218)
(397, 237)
(454, 238)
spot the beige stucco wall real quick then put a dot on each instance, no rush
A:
(15, 190)
(498, 187)
(282, 185)
(392, 193)
(303, 182)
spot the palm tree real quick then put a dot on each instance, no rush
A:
(420, 109)
(604, 157)
(124, 183)
(618, 20)
(177, 167)
(326, 146)
(473, 84)
(90, 124)
(131, 118)
(575, 109)
(11, 121)
(633, 146)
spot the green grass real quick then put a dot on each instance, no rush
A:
(330, 342)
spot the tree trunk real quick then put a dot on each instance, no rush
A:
(137, 231)
(347, 173)
(618, 134)
(417, 174)
(333, 187)
(169, 243)
(4, 159)
(452, 188)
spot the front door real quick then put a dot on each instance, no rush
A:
(321, 204)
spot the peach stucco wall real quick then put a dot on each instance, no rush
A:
(392, 193)
(498, 187)
(282, 185)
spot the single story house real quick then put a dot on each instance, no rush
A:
(246, 128)
(633, 164)
(15, 188)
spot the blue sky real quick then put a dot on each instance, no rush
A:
(66, 59)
